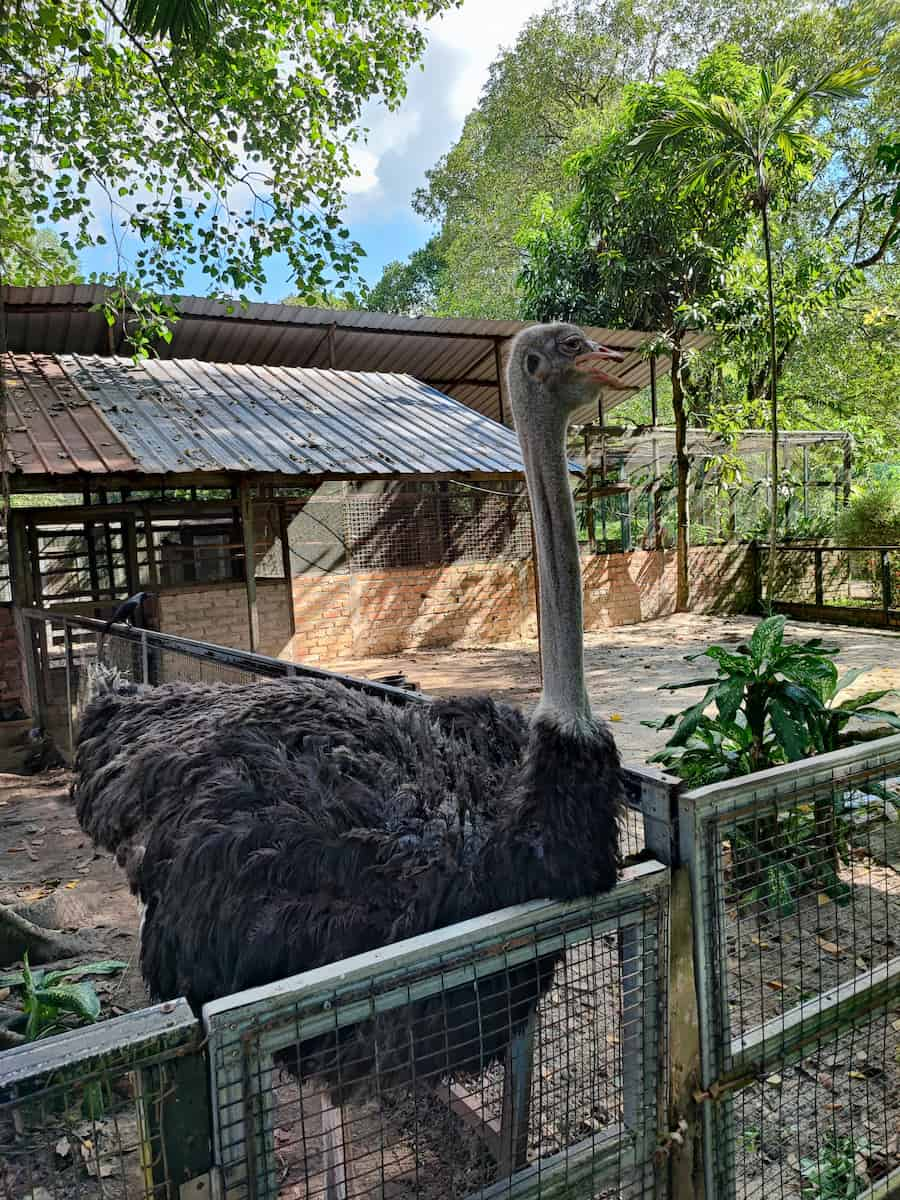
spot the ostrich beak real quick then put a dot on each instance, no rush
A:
(589, 364)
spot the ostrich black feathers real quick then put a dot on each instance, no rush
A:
(275, 827)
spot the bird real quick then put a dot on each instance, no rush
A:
(267, 829)
(127, 611)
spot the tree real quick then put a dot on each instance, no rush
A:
(213, 153)
(189, 134)
(629, 251)
(32, 257)
(410, 287)
(756, 137)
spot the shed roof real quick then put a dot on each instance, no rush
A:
(458, 356)
(71, 414)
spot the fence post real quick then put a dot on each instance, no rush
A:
(819, 578)
(145, 658)
(70, 671)
(886, 597)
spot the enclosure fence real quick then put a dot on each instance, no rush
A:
(724, 1024)
(857, 585)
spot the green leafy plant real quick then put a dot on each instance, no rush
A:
(872, 518)
(774, 702)
(52, 999)
(833, 1175)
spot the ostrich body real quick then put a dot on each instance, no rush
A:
(268, 829)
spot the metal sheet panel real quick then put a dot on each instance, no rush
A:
(443, 351)
(164, 416)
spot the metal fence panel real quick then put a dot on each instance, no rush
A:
(797, 897)
(117, 1110)
(518, 1054)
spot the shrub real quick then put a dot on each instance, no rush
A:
(872, 518)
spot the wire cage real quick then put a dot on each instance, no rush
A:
(516, 1054)
(85, 1114)
(797, 870)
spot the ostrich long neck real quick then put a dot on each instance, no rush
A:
(564, 697)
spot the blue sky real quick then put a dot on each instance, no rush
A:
(403, 144)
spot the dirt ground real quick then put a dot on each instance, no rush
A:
(626, 666)
(43, 853)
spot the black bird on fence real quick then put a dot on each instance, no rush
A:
(268, 829)
(127, 611)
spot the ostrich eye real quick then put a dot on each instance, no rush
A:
(571, 345)
(532, 362)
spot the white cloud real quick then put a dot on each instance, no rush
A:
(403, 144)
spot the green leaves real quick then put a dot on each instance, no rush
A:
(773, 704)
(217, 134)
(48, 997)
(767, 640)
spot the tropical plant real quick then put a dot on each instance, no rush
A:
(835, 1172)
(628, 251)
(760, 138)
(774, 702)
(51, 1000)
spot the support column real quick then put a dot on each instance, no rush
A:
(248, 535)
(284, 534)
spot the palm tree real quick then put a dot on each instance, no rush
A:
(758, 135)
(180, 20)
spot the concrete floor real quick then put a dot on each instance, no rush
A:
(625, 667)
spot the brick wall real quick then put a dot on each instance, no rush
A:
(12, 683)
(623, 589)
(378, 612)
(219, 614)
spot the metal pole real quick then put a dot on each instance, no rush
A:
(145, 658)
(70, 667)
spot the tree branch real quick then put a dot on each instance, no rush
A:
(877, 255)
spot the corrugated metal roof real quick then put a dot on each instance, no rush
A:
(453, 354)
(72, 413)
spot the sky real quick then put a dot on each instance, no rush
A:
(404, 143)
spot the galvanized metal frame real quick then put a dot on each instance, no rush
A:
(728, 1063)
(246, 1030)
(165, 1035)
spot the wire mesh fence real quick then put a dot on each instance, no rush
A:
(517, 1054)
(105, 1111)
(799, 893)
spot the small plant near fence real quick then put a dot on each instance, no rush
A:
(53, 1001)
(771, 702)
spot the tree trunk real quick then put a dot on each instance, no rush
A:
(773, 407)
(682, 467)
(19, 935)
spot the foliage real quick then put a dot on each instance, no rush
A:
(51, 999)
(31, 256)
(872, 518)
(181, 20)
(774, 701)
(412, 287)
(761, 137)
(834, 1173)
(323, 298)
(212, 154)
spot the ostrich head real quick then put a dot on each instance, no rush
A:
(553, 371)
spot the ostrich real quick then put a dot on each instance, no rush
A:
(268, 829)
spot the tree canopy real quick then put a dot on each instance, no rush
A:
(187, 152)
